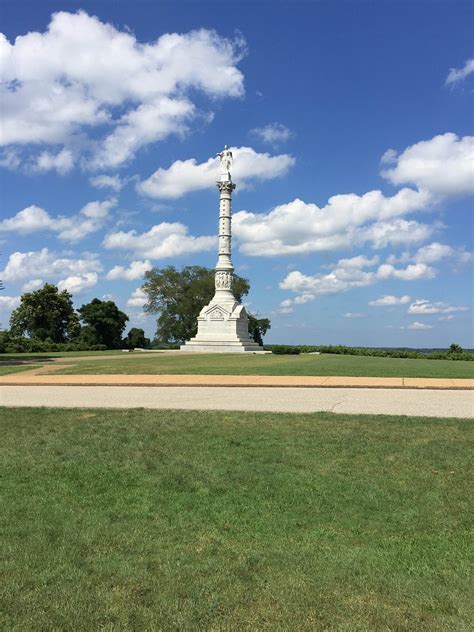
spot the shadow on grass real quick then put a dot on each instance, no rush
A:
(21, 359)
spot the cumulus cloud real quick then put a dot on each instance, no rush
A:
(417, 325)
(299, 227)
(77, 283)
(82, 74)
(273, 133)
(32, 285)
(116, 183)
(354, 315)
(422, 306)
(389, 300)
(456, 75)
(135, 270)
(138, 298)
(73, 228)
(347, 274)
(436, 251)
(442, 165)
(188, 175)
(160, 242)
(62, 162)
(9, 302)
(51, 266)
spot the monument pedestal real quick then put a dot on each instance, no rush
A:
(222, 328)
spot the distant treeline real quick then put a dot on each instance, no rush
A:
(455, 352)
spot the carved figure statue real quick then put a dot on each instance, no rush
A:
(226, 159)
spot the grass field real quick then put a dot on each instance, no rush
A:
(6, 370)
(307, 364)
(154, 520)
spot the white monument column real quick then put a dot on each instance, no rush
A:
(223, 324)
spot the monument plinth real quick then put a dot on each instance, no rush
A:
(223, 324)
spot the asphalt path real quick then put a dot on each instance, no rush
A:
(411, 402)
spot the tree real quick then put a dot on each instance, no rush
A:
(455, 348)
(104, 323)
(178, 297)
(136, 338)
(258, 327)
(45, 313)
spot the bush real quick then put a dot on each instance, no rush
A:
(19, 344)
(285, 350)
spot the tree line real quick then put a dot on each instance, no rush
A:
(46, 319)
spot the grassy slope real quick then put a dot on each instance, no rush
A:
(276, 365)
(154, 520)
(6, 370)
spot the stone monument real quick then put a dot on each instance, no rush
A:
(223, 324)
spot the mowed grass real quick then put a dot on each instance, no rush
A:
(6, 370)
(268, 364)
(163, 520)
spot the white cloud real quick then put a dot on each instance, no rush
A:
(35, 219)
(9, 302)
(32, 285)
(62, 162)
(346, 220)
(389, 300)
(138, 298)
(28, 265)
(417, 325)
(442, 165)
(345, 276)
(82, 74)
(135, 270)
(286, 306)
(161, 241)
(354, 315)
(77, 283)
(412, 272)
(456, 75)
(187, 175)
(436, 251)
(422, 306)
(107, 182)
(273, 133)
(450, 317)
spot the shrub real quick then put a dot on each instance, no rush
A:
(285, 350)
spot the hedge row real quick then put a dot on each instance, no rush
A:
(381, 353)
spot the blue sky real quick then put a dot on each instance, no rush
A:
(351, 125)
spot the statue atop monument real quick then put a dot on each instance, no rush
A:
(226, 159)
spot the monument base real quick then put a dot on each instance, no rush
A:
(223, 327)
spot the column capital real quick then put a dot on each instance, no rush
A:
(225, 186)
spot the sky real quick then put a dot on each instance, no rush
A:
(351, 129)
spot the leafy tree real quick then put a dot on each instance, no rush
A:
(104, 323)
(178, 297)
(454, 348)
(45, 313)
(136, 338)
(258, 327)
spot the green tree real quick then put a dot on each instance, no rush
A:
(454, 348)
(136, 338)
(178, 297)
(45, 313)
(258, 327)
(104, 323)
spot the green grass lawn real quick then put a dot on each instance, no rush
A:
(305, 364)
(163, 520)
(6, 370)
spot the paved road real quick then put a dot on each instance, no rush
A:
(430, 403)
